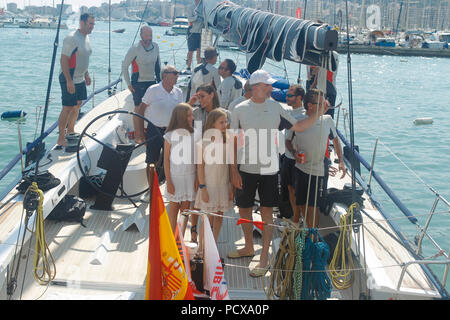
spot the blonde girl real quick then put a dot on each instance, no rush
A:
(215, 193)
(179, 162)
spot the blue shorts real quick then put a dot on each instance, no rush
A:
(155, 142)
(287, 172)
(194, 41)
(68, 99)
(139, 90)
(302, 182)
(267, 186)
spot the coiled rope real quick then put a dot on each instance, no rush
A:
(299, 268)
(280, 284)
(341, 265)
(46, 271)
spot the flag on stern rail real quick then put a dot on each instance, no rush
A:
(214, 275)
(166, 276)
(184, 253)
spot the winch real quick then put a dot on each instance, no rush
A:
(72, 142)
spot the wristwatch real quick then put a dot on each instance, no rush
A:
(201, 186)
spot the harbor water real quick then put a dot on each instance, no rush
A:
(389, 93)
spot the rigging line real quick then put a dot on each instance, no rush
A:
(316, 271)
(279, 226)
(50, 78)
(320, 271)
(109, 46)
(406, 166)
(320, 97)
(350, 101)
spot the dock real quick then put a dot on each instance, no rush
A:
(396, 51)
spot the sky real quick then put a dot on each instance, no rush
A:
(75, 3)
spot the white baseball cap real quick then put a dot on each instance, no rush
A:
(261, 76)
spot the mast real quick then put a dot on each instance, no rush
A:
(50, 78)
(362, 21)
(407, 15)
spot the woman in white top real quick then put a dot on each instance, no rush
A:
(179, 161)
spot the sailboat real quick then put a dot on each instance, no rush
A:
(108, 258)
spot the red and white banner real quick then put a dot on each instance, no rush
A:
(213, 276)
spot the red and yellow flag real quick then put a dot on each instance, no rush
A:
(166, 276)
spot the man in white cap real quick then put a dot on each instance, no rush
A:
(256, 167)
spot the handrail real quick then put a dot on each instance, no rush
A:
(420, 262)
(383, 185)
(17, 158)
(428, 272)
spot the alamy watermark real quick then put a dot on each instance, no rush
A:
(259, 147)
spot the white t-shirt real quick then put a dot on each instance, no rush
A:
(313, 142)
(160, 104)
(260, 123)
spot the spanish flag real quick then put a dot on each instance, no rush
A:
(166, 276)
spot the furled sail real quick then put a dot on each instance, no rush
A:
(266, 35)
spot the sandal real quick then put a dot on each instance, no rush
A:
(259, 272)
(235, 255)
(194, 230)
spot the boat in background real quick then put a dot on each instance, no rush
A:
(41, 23)
(385, 42)
(108, 258)
(119, 30)
(180, 25)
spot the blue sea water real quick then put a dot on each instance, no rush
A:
(389, 92)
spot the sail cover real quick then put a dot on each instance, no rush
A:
(264, 35)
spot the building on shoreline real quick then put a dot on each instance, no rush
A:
(404, 14)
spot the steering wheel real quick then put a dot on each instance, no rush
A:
(119, 154)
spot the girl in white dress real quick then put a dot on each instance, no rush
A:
(215, 193)
(179, 162)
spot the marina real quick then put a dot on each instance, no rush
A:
(396, 51)
(389, 267)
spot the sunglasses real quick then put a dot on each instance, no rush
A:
(290, 95)
(172, 72)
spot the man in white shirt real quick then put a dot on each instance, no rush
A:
(230, 88)
(260, 118)
(157, 106)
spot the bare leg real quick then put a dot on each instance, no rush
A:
(73, 117)
(312, 220)
(247, 228)
(199, 59)
(295, 208)
(217, 225)
(267, 218)
(174, 207)
(62, 124)
(189, 59)
(138, 126)
(194, 222)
